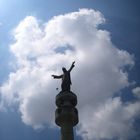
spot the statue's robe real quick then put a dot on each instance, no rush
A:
(66, 81)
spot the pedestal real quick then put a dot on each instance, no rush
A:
(66, 115)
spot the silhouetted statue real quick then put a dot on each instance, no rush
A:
(66, 79)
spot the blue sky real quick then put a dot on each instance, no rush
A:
(122, 22)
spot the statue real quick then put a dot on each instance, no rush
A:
(66, 79)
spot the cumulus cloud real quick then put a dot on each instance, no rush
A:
(113, 119)
(41, 49)
(136, 92)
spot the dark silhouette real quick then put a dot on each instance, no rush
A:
(66, 79)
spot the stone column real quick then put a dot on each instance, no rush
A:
(66, 115)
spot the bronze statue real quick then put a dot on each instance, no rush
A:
(66, 79)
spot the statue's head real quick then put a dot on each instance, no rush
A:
(64, 69)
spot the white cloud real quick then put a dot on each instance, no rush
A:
(136, 92)
(99, 72)
(111, 120)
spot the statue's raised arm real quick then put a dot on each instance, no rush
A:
(72, 66)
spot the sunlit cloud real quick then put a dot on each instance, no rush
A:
(42, 49)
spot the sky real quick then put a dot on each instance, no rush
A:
(39, 37)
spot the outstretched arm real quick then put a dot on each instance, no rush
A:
(56, 76)
(72, 66)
